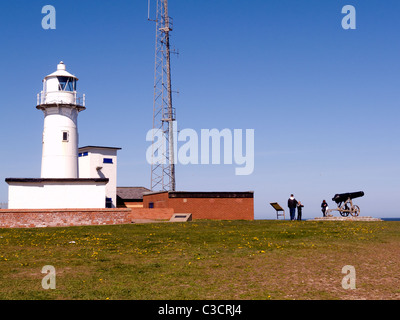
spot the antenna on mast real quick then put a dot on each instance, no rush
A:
(148, 11)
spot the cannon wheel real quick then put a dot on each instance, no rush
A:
(355, 211)
(345, 210)
(344, 214)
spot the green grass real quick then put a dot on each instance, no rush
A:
(203, 260)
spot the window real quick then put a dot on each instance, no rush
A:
(66, 84)
(107, 160)
(151, 205)
(83, 154)
(65, 136)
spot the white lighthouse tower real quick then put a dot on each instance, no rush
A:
(61, 106)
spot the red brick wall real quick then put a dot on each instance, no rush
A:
(164, 208)
(152, 214)
(160, 200)
(26, 218)
(205, 208)
(215, 208)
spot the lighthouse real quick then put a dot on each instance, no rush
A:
(62, 185)
(61, 106)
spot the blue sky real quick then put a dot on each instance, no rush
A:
(323, 101)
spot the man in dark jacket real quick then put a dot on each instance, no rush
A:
(292, 204)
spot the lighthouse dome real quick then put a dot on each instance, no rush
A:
(61, 72)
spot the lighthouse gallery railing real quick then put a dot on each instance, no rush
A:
(78, 100)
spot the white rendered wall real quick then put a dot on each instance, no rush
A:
(56, 195)
(60, 158)
(93, 166)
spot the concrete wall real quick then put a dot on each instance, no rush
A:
(59, 157)
(53, 195)
(93, 166)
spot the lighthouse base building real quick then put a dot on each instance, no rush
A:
(52, 193)
(96, 186)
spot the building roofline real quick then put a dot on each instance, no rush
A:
(205, 194)
(99, 147)
(135, 187)
(64, 180)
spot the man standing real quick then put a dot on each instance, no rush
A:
(292, 204)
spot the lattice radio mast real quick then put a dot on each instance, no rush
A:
(163, 174)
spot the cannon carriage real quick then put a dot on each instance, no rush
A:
(345, 204)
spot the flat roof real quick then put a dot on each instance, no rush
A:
(63, 180)
(206, 194)
(99, 147)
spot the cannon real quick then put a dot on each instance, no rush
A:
(345, 204)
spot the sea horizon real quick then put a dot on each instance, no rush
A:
(305, 219)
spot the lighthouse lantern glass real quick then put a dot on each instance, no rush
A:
(66, 84)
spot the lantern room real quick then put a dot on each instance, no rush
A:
(60, 87)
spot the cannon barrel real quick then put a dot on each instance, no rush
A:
(344, 196)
